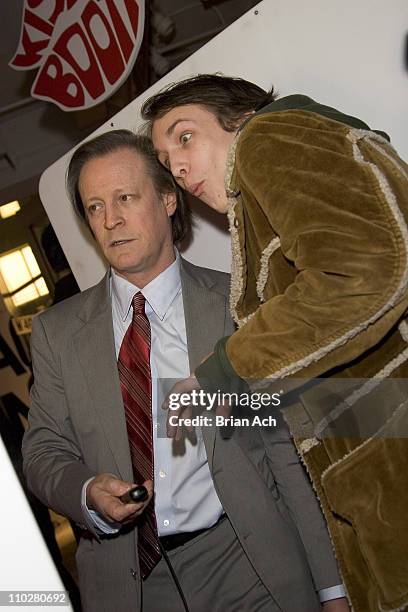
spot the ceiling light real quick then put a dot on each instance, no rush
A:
(10, 209)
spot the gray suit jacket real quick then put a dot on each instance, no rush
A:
(77, 430)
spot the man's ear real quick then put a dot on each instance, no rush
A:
(245, 117)
(170, 203)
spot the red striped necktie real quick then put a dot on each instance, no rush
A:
(136, 385)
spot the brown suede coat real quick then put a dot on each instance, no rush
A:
(318, 213)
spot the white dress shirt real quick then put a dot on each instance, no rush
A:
(185, 498)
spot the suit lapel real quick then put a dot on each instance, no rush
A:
(204, 312)
(205, 315)
(95, 347)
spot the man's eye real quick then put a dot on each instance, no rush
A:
(93, 208)
(125, 197)
(185, 137)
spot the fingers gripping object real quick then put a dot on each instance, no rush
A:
(135, 495)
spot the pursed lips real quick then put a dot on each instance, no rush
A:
(197, 189)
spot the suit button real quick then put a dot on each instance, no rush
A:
(134, 574)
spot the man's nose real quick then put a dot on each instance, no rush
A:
(179, 169)
(113, 216)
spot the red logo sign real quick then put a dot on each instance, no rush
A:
(84, 49)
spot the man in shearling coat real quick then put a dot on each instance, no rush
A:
(318, 206)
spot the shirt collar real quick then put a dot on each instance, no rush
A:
(159, 293)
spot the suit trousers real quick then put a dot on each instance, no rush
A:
(214, 574)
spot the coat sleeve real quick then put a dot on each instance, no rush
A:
(53, 465)
(302, 504)
(339, 225)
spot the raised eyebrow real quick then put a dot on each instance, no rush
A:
(173, 126)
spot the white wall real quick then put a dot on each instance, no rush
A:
(345, 54)
(25, 562)
(24, 558)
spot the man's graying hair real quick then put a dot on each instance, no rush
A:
(228, 98)
(113, 141)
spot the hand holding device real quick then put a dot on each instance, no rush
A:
(104, 494)
(135, 495)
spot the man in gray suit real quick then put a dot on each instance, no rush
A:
(238, 524)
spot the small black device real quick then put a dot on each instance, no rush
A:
(135, 495)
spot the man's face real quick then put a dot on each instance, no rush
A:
(129, 220)
(191, 143)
